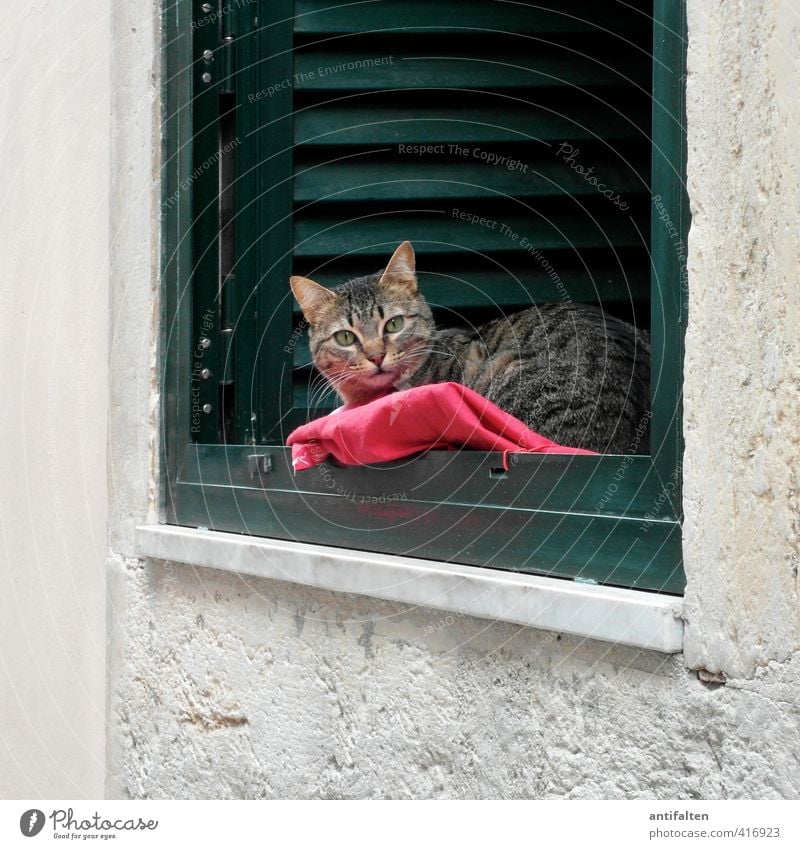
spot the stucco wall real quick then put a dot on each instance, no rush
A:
(742, 368)
(54, 319)
(224, 685)
(233, 687)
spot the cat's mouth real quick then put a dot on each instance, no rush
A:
(381, 378)
(383, 374)
(379, 381)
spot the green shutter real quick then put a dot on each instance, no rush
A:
(317, 109)
(494, 91)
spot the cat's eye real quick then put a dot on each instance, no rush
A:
(344, 337)
(394, 324)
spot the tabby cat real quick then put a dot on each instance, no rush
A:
(569, 371)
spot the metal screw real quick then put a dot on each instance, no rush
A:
(205, 373)
(207, 408)
(206, 7)
(206, 77)
(208, 55)
(205, 342)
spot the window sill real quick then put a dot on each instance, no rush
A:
(629, 617)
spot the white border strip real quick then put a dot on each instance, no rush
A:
(631, 617)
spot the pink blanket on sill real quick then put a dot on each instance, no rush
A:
(439, 416)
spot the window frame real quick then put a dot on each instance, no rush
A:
(605, 519)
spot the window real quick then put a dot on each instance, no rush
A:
(309, 137)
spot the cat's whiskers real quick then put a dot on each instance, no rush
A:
(317, 399)
(425, 350)
(322, 385)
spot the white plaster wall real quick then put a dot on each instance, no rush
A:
(54, 146)
(742, 370)
(134, 243)
(236, 687)
(229, 686)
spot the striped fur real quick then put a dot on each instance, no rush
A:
(568, 370)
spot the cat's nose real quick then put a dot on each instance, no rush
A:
(376, 358)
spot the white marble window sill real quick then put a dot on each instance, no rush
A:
(630, 617)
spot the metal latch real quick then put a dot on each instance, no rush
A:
(259, 464)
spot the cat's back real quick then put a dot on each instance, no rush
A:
(569, 371)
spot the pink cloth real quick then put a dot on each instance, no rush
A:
(443, 416)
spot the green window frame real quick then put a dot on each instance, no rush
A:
(238, 215)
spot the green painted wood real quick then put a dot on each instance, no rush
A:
(414, 16)
(338, 68)
(319, 235)
(570, 546)
(176, 316)
(393, 509)
(460, 287)
(265, 205)
(613, 520)
(204, 187)
(467, 177)
(669, 232)
(347, 123)
(534, 481)
(248, 224)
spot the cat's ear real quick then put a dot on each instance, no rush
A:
(312, 297)
(401, 270)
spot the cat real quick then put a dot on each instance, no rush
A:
(567, 370)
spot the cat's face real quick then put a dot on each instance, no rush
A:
(371, 334)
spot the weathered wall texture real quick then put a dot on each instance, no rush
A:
(245, 688)
(742, 371)
(54, 147)
(228, 686)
